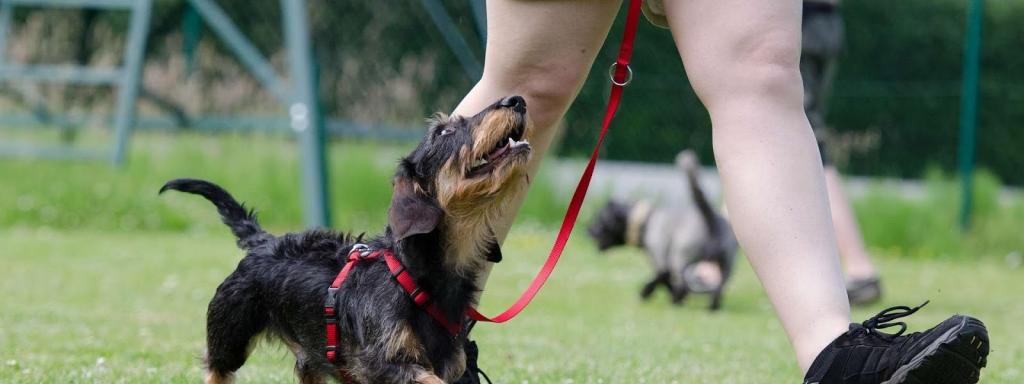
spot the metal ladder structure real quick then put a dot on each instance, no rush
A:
(299, 94)
(125, 78)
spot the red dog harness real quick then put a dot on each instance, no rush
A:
(361, 252)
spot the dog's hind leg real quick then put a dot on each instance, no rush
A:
(648, 290)
(307, 373)
(677, 286)
(234, 317)
(716, 299)
(306, 370)
(725, 266)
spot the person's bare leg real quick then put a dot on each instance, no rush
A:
(543, 51)
(854, 254)
(742, 59)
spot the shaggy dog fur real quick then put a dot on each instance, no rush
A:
(676, 240)
(447, 193)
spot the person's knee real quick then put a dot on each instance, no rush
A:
(764, 67)
(549, 88)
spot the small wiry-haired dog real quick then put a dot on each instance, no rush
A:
(676, 239)
(447, 193)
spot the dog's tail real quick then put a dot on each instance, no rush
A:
(687, 161)
(241, 221)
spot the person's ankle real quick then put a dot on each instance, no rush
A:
(810, 345)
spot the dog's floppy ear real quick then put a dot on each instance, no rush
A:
(412, 212)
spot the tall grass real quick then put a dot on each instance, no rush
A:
(928, 227)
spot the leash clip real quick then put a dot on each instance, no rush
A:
(614, 68)
(360, 251)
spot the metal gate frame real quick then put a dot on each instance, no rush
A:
(301, 98)
(125, 78)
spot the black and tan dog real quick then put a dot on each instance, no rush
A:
(677, 239)
(447, 193)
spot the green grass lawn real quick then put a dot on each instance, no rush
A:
(83, 306)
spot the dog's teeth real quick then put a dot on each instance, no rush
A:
(479, 162)
(511, 142)
(516, 144)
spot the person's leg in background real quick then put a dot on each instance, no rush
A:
(822, 43)
(863, 285)
(742, 59)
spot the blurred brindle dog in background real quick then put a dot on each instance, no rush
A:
(447, 193)
(677, 239)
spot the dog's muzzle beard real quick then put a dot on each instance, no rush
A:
(491, 166)
(499, 140)
(474, 197)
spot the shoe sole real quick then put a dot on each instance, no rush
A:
(956, 357)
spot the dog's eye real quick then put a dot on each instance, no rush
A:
(446, 131)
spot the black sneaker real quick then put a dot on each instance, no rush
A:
(864, 291)
(952, 352)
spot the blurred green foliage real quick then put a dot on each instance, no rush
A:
(927, 226)
(894, 108)
(895, 104)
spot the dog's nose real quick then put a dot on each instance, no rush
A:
(515, 102)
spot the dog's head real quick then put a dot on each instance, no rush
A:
(462, 173)
(609, 226)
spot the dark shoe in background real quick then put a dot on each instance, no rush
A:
(864, 291)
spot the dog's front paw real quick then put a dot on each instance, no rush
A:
(427, 378)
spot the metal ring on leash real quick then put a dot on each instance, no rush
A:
(629, 74)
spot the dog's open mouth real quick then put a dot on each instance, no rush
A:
(509, 147)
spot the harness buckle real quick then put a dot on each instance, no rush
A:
(331, 299)
(419, 297)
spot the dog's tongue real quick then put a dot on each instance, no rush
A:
(498, 152)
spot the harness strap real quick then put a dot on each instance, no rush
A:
(359, 253)
(621, 75)
(420, 297)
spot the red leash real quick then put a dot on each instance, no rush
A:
(621, 75)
